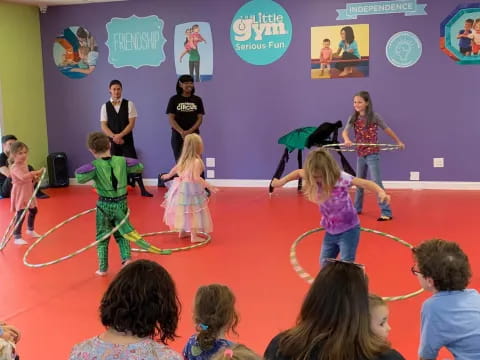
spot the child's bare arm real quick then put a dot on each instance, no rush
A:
(394, 136)
(197, 172)
(172, 172)
(370, 185)
(346, 137)
(294, 175)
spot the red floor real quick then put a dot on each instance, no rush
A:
(56, 306)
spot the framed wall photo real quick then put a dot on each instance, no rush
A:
(340, 51)
(460, 34)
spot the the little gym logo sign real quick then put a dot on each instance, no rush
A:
(261, 32)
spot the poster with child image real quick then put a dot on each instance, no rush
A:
(193, 50)
(339, 52)
(75, 52)
(460, 34)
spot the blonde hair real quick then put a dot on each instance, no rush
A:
(375, 301)
(15, 148)
(236, 352)
(191, 151)
(320, 170)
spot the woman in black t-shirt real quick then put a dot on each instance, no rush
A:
(185, 113)
(334, 322)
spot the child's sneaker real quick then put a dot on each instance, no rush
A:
(33, 233)
(20, 241)
(101, 273)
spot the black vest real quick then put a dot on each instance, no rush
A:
(119, 121)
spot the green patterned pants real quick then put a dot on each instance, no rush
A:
(109, 214)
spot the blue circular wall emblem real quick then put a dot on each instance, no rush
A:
(404, 49)
(261, 32)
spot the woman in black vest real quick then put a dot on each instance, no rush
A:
(118, 120)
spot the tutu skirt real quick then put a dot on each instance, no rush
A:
(186, 207)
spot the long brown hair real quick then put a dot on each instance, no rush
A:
(191, 151)
(214, 312)
(334, 321)
(320, 169)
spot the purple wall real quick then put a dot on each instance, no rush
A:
(433, 106)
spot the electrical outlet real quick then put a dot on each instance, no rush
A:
(210, 174)
(414, 175)
(438, 162)
(210, 162)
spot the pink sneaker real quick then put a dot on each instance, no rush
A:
(101, 273)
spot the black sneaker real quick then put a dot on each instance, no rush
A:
(146, 194)
(161, 182)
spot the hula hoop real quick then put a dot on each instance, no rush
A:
(309, 278)
(354, 146)
(11, 227)
(146, 247)
(208, 238)
(71, 255)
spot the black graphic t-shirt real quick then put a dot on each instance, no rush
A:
(185, 110)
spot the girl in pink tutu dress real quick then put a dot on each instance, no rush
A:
(186, 204)
(22, 190)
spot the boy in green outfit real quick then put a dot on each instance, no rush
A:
(109, 174)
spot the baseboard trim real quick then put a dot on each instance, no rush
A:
(415, 185)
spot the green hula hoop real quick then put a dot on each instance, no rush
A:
(309, 278)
